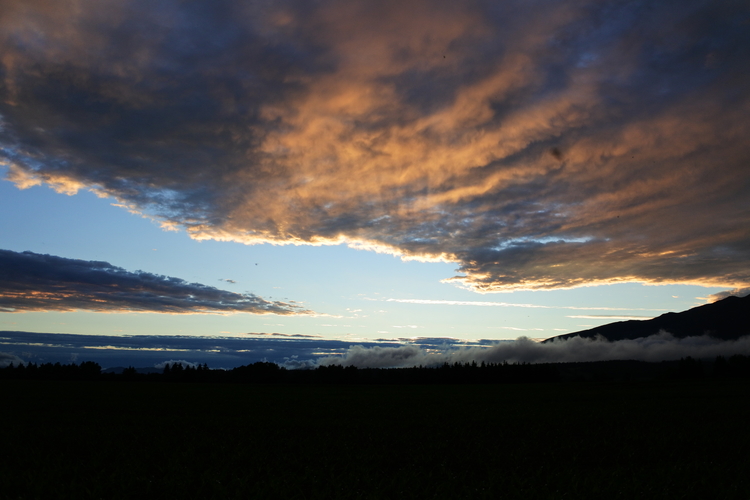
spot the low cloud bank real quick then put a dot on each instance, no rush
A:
(36, 282)
(660, 347)
(154, 350)
(737, 292)
(222, 352)
(8, 359)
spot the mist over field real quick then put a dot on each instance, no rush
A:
(660, 347)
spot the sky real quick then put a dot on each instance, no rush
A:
(366, 173)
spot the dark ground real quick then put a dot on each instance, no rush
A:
(118, 439)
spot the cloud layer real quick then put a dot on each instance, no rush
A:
(660, 347)
(153, 350)
(537, 144)
(141, 351)
(35, 282)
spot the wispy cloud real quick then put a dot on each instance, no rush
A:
(609, 316)
(511, 304)
(290, 335)
(464, 303)
(148, 350)
(36, 282)
(537, 145)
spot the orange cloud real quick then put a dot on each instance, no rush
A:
(536, 147)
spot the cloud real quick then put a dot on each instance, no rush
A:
(294, 363)
(464, 303)
(737, 292)
(660, 347)
(293, 335)
(378, 357)
(6, 359)
(508, 304)
(610, 316)
(538, 145)
(150, 350)
(146, 350)
(36, 282)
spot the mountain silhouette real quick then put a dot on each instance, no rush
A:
(726, 319)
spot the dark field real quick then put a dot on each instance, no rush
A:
(664, 439)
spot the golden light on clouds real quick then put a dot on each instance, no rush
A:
(535, 147)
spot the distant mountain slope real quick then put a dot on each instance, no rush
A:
(726, 319)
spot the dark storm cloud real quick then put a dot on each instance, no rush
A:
(536, 144)
(35, 282)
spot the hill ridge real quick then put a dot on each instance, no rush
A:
(726, 319)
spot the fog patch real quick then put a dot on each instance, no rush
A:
(660, 347)
(379, 357)
(7, 359)
(294, 363)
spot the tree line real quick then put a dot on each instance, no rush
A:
(737, 366)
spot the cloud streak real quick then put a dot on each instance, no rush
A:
(480, 303)
(290, 335)
(151, 350)
(36, 282)
(609, 316)
(538, 145)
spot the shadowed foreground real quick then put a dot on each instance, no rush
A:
(662, 439)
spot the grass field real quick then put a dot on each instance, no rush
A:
(668, 439)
